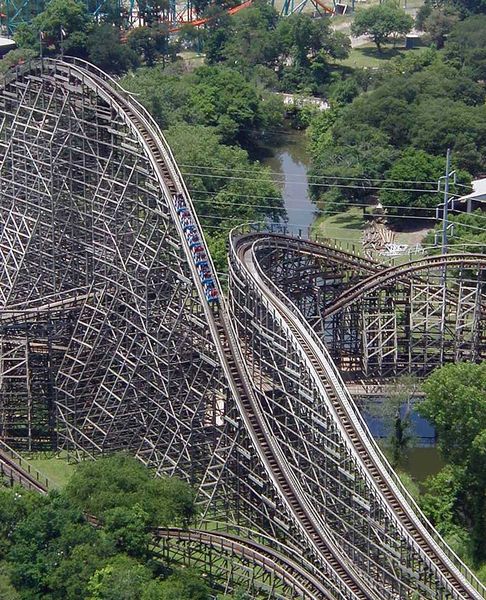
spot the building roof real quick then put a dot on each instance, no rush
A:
(7, 44)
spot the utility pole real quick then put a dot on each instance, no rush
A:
(446, 178)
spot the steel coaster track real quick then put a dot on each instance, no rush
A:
(245, 249)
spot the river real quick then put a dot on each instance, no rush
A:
(289, 161)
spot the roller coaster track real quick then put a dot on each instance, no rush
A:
(230, 355)
(245, 248)
(289, 572)
(392, 274)
(338, 571)
(16, 470)
(301, 580)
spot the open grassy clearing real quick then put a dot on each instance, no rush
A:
(346, 226)
(367, 56)
(56, 468)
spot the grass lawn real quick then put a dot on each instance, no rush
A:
(367, 56)
(346, 226)
(55, 468)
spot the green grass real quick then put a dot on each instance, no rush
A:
(367, 56)
(56, 468)
(346, 226)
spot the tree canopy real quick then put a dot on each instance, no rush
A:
(49, 550)
(455, 404)
(381, 22)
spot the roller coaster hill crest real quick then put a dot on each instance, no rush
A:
(115, 334)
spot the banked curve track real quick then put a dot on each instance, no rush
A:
(342, 576)
(244, 252)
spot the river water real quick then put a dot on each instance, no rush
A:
(289, 161)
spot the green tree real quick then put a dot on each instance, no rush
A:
(439, 24)
(7, 590)
(39, 541)
(455, 404)
(107, 52)
(129, 530)
(414, 166)
(182, 585)
(395, 413)
(305, 47)
(466, 46)
(381, 22)
(469, 233)
(121, 481)
(123, 578)
(349, 159)
(69, 16)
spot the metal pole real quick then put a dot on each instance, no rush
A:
(446, 202)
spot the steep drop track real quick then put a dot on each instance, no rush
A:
(336, 568)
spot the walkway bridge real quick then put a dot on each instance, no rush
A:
(115, 334)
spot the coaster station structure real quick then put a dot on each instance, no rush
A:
(114, 334)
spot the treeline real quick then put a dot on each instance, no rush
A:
(49, 550)
(392, 127)
(455, 498)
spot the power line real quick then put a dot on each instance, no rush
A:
(283, 208)
(327, 185)
(307, 177)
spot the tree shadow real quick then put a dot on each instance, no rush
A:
(350, 221)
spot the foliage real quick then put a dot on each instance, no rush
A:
(122, 578)
(49, 550)
(395, 414)
(153, 43)
(297, 50)
(226, 187)
(466, 46)
(182, 585)
(439, 23)
(121, 481)
(455, 404)
(16, 57)
(349, 159)
(414, 166)
(107, 52)
(440, 498)
(469, 234)
(217, 97)
(381, 22)
(58, 23)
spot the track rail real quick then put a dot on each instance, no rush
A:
(26, 476)
(291, 573)
(246, 250)
(337, 569)
(391, 274)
